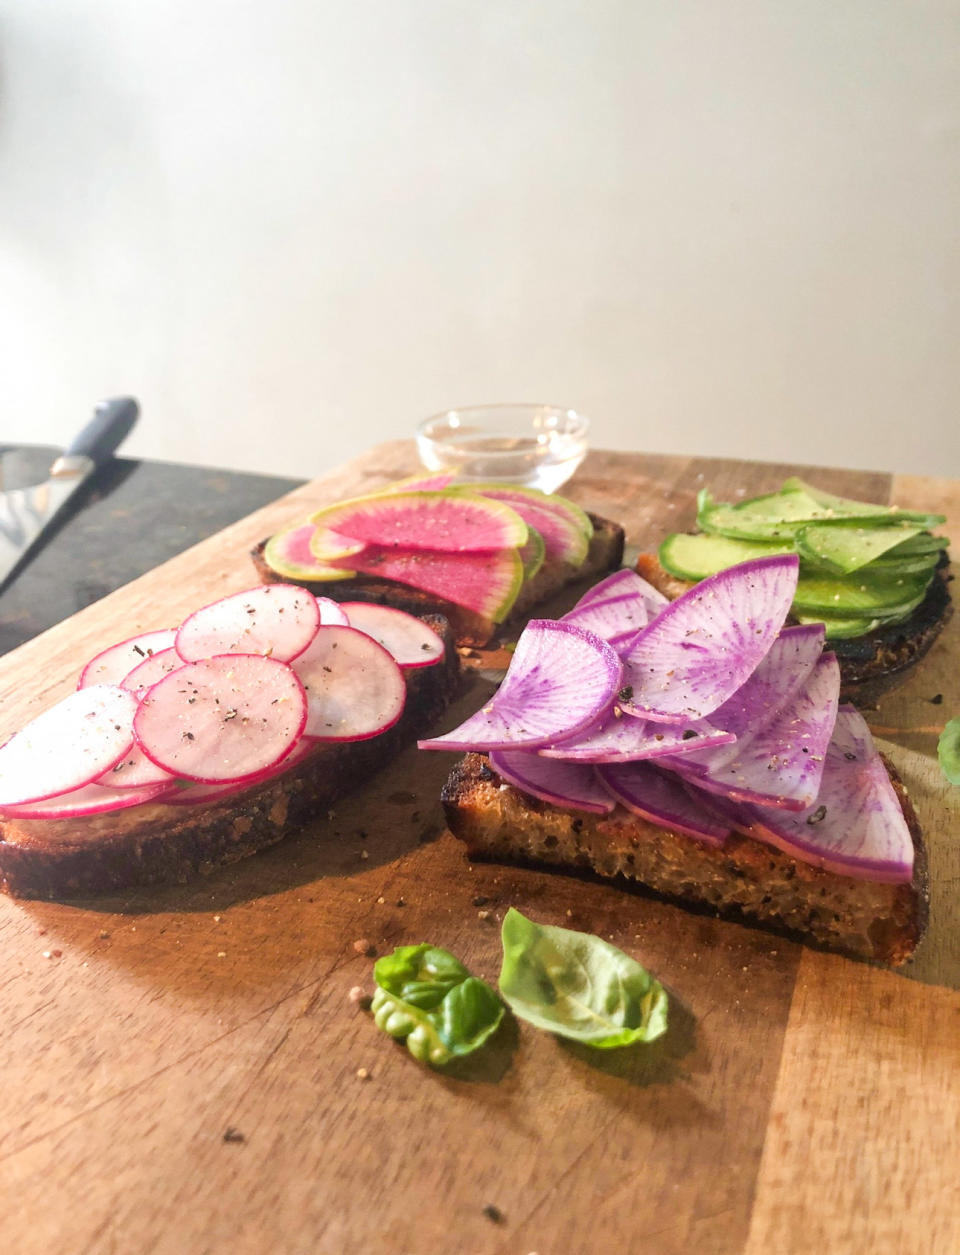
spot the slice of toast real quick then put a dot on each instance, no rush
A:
(156, 843)
(605, 554)
(743, 879)
(872, 664)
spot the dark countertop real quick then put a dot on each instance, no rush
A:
(128, 518)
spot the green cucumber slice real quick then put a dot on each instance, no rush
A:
(696, 557)
(922, 544)
(850, 546)
(845, 507)
(893, 568)
(840, 629)
(858, 596)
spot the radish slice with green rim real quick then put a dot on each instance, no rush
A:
(331, 612)
(146, 673)
(354, 689)
(279, 620)
(662, 800)
(288, 553)
(561, 678)
(626, 739)
(67, 746)
(110, 666)
(486, 583)
(617, 620)
(574, 786)
(620, 584)
(563, 526)
(229, 717)
(702, 647)
(437, 521)
(89, 799)
(406, 638)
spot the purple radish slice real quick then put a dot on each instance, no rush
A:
(110, 666)
(88, 799)
(278, 620)
(486, 583)
(406, 638)
(194, 794)
(559, 681)
(354, 688)
(289, 554)
(331, 612)
(663, 800)
(618, 619)
(228, 717)
(67, 746)
(702, 647)
(564, 527)
(622, 583)
(459, 522)
(146, 673)
(573, 786)
(625, 739)
(134, 771)
(856, 826)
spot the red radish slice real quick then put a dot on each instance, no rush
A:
(279, 620)
(560, 680)
(354, 688)
(193, 794)
(702, 647)
(618, 619)
(228, 717)
(134, 771)
(89, 799)
(486, 583)
(331, 612)
(626, 739)
(110, 666)
(620, 584)
(68, 746)
(455, 523)
(856, 825)
(574, 786)
(145, 674)
(655, 796)
(405, 637)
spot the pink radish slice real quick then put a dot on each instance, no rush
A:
(702, 647)
(67, 746)
(89, 799)
(626, 739)
(655, 796)
(461, 523)
(574, 786)
(279, 620)
(110, 666)
(405, 637)
(134, 771)
(354, 689)
(331, 612)
(618, 619)
(228, 717)
(620, 584)
(856, 826)
(146, 673)
(560, 680)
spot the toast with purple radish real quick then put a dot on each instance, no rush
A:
(697, 747)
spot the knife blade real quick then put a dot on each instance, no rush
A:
(25, 513)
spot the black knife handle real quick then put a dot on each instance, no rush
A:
(112, 422)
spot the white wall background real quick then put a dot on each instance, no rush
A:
(293, 228)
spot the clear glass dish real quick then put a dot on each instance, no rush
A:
(537, 445)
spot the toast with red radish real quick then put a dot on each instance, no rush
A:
(185, 748)
(703, 754)
(481, 554)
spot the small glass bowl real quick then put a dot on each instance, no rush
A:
(537, 445)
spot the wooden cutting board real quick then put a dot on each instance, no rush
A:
(182, 1074)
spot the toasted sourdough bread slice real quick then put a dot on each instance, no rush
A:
(743, 879)
(605, 553)
(870, 665)
(156, 843)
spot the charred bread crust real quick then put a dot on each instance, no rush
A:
(156, 844)
(870, 665)
(605, 553)
(744, 879)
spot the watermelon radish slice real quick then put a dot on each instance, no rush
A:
(279, 620)
(623, 582)
(559, 681)
(406, 638)
(89, 799)
(289, 554)
(354, 689)
(626, 739)
(573, 786)
(533, 553)
(146, 673)
(702, 647)
(486, 583)
(565, 528)
(331, 612)
(855, 827)
(661, 799)
(440, 522)
(330, 546)
(229, 717)
(617, 620)
(113, 664)
(68, 746)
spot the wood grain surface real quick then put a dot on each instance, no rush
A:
(181, 1073)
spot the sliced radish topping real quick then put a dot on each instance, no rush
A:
(702, 647)
(617, 620)
(229, 717)
(460, 523)
(110, 666)
(406, 637)
(331, 612)
(661, 799)
(134, 771)
(354, 688)
(561, 678)
(620, 584)
(626, 739)
(89, 799)
(145, 674)
(68, 746)
(278, 620)
(193, 794)
(573, 785)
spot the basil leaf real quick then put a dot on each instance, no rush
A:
(428, 997)
(578, 985)
(948, 751)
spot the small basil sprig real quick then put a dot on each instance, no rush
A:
(578, 985)
(427, 996)
(948, 751)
